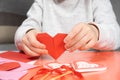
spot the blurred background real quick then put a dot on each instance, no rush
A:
(12, 14)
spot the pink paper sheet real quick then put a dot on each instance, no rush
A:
(14, 74)
(11, 75)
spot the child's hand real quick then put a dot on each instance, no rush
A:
(83, 36)
(31, 46)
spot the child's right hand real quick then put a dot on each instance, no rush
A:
(31, 46)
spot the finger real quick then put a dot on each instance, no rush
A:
(76, 39)
(73, 33)
(34, 49)
(89, 45)
(28, 51)
(25, 41)
(80, 43)
(35, 43)
(39, 51)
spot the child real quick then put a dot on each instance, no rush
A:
(88, 23)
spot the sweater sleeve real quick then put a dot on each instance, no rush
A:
(33, 21)
(109, 30)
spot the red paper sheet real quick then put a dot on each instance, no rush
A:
(54, 45)
(16, 56)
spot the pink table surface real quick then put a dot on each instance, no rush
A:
(109, 59)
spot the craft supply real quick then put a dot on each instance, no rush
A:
(54, 45)
(79, 66)
(9, 66)
(82, 66)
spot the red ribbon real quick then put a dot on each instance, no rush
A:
(59, 73)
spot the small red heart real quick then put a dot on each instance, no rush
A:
(54, 45)
(9, 66)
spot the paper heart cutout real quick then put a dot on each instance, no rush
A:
(9, 66)
(54, 45)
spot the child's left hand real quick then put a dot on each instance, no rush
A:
(83, 37)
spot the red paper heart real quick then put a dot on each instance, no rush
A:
(54, 45)
(9, 66)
